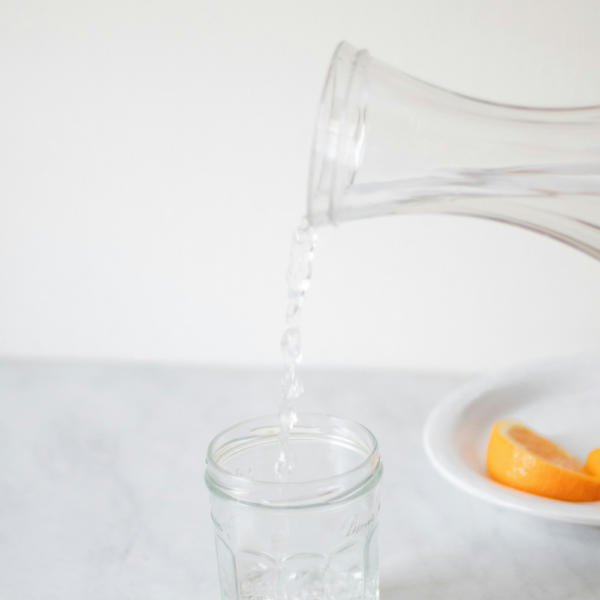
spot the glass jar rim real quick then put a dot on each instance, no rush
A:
(336, 488)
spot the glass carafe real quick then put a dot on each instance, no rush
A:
(388, 143)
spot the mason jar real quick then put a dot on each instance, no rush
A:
(311, 535)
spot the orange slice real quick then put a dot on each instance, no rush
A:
(592, 464)
(522, 459)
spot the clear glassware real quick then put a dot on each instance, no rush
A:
(388, 143)
(310, 537)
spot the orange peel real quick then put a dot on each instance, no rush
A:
(522, 459)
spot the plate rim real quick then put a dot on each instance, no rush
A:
(445, 417)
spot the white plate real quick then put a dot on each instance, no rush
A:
(560, 400)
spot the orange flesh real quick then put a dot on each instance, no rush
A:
(544, 448)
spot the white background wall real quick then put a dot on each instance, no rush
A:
(153, 164)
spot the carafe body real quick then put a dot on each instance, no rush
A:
(387, 143)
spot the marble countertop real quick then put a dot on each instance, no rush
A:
(102, 493)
